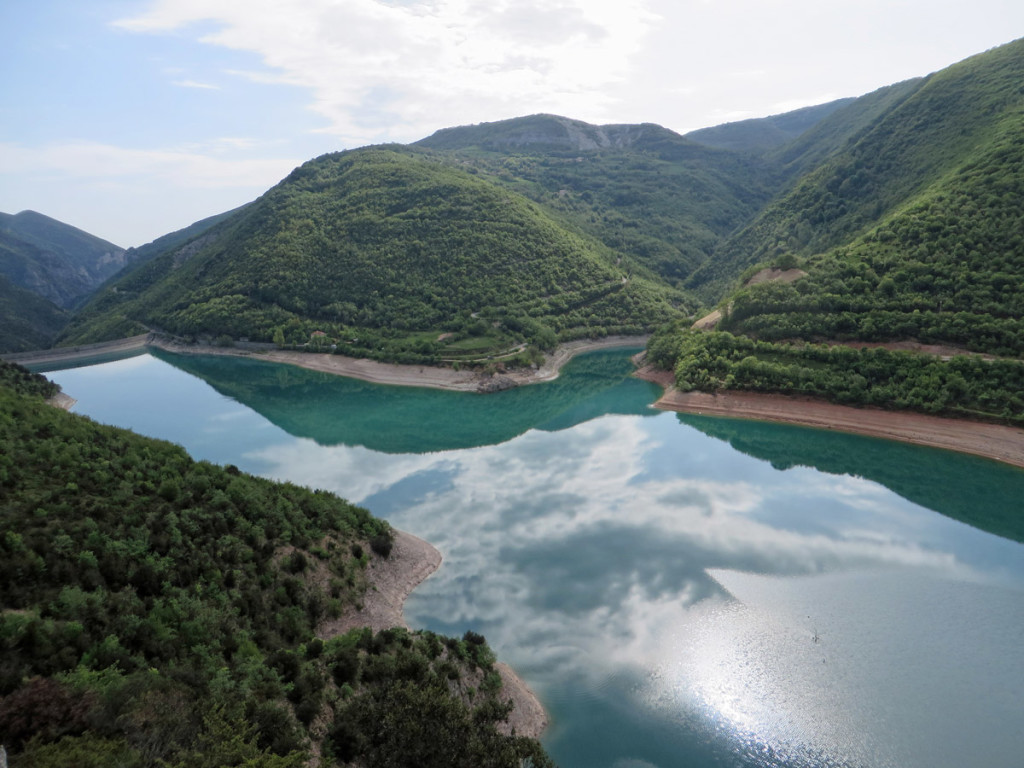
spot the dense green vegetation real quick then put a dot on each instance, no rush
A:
(159, 610)
(27, 320)
(24, 382)
(383, 250)
(913, 233)
(965, 386)
(658, 200)
(927, 134)
(947, 269)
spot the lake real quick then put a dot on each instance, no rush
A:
(678, 590)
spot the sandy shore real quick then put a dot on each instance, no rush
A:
(84, 352)
(992, 441)
(356, 368)
(390, 582)
(414, 375)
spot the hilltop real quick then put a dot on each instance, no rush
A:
(59, 262)
(383, 251)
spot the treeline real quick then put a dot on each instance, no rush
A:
(964, 386)
(159, 610)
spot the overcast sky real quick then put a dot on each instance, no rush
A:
(133, 118)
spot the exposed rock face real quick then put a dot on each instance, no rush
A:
(55, 260)
(496, 384)
(550, 132)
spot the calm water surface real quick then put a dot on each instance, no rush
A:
(679, 590)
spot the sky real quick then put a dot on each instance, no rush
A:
(134, 118)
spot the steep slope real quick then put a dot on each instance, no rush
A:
(656, 198)
(27, 320)
(155, 610)
(177, 238)
(762, 134)
(925, 136)
(53, 259)
(913, 235)
(383, 250)
(840, 128)
(946, 269)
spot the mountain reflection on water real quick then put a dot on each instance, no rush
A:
(977, 491)
(676, 602)
(333, 410)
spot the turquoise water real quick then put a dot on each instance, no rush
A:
(680, 591)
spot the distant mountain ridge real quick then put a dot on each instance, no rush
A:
(542, 132)
(27, 320)
(53, 259)
(761, 134)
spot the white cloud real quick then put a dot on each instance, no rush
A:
(197, 167)
(195, 84)
(376, 68)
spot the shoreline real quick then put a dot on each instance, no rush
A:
(389, 582)
(991, 441)
(132, 344)
(394, 374)
(364, 369)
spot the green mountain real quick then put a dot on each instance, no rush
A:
(836, 130)
(382, 250)
(467, 245)
(27, 320)
(177, 238)
(912, 233)
(55, 260)
(932, 129)
(660, 200)
(155, 610)
(759, 135)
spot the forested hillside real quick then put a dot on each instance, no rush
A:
(489, 243)
(654, 197)
(381, 251)
(914, 234)
(27, 320)
(912, 147)
(158, 610)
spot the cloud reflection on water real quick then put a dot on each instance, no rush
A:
(661, 591)
(586, 557)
